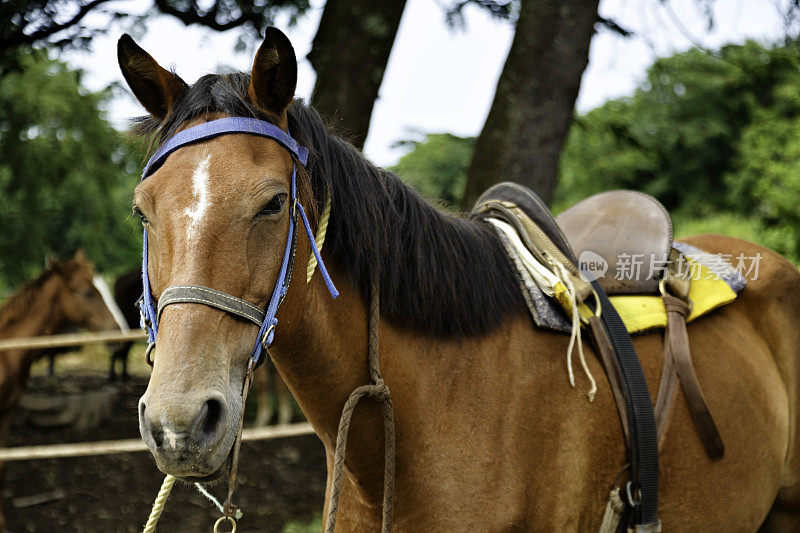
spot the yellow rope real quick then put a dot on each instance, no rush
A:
(319, 239)
(158, 505)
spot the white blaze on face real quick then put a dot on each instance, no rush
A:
(200, 194)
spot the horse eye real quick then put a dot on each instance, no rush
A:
(274, 206)
(138, 213)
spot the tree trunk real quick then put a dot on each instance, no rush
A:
(522, 137)
(349, 54)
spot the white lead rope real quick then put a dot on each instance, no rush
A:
(575, 335)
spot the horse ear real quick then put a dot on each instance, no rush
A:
(274, 76)
(156, 88)
(80, 256)
(55, 265)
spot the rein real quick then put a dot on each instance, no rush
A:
(380, 392)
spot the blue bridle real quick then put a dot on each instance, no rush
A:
(226, 302)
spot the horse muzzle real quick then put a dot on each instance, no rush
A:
(190, 436)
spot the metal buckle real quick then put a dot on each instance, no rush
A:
(662, 287)
(631, 500)
(147, 352)
(270, 329)
(664, 290)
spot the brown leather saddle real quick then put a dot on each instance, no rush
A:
(622, 240)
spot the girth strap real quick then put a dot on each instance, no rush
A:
(642, 439)
(678, 362)
(606, 352)
(204, 295)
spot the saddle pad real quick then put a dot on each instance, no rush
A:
(714, 283)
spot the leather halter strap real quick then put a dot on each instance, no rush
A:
(212, 298)
(218, 299)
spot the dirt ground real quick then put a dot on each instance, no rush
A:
(281, 482)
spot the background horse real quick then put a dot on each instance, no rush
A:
(490, 436)
(127, 289)
(63, 293)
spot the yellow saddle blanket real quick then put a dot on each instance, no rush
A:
(715, 282)
(644, 312)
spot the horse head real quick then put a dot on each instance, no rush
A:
(78, 300)
(216, 214)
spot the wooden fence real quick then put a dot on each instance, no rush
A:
(70, 339)
(58, 451)
(109, 447)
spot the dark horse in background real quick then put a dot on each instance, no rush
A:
(490, 436)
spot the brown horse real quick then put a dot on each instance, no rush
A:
(63, 293)
(490, 436)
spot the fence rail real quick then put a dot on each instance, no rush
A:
(70, 339)
(110, 447)
(82, 449)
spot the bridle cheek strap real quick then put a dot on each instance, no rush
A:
(214, 298)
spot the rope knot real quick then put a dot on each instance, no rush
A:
(379, 390)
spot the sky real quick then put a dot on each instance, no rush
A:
(441, 79)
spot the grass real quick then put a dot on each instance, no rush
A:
(94, 358)
(299, 526)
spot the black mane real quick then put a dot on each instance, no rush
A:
(440, 274)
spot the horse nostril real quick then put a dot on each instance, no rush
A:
(210, 417)
(147, 427)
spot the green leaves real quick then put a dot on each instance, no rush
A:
(66, 176)
(437, 167)
(715, 138)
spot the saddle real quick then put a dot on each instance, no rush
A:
(583, 251)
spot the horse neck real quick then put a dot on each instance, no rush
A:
(40, 315)
(323, 358)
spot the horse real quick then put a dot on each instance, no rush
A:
(64, 293)
(127, 290)
(123, 307)
(489, 434)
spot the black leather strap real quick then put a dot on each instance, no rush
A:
(642, 437)
(198, 294)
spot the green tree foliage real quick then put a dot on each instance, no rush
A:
(437, 166)
(73, 23)
(66, 176)
(767, 173)
(714, 137)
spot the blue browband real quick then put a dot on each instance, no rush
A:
(209, 130)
